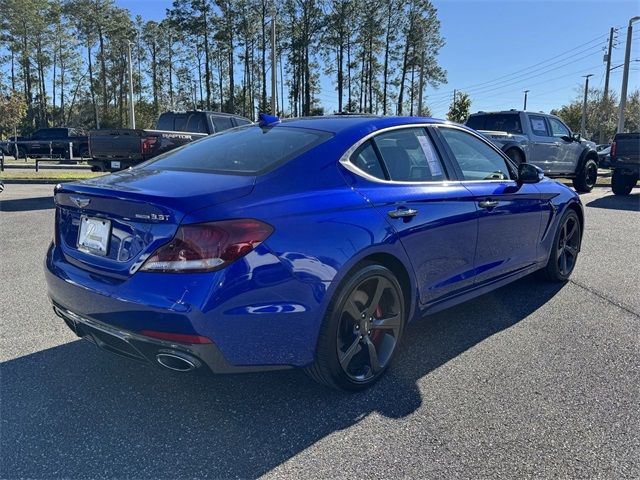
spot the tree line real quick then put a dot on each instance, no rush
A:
(64, 62)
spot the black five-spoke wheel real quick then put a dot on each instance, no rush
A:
(566, 246)
(369, 329)
(361, 331)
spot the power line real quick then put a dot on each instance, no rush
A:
(440, 103)
(473, 86)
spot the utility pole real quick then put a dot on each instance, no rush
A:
(525, 99)
(625, 75)
(605, 95)
(583, 123)
(132, 116)
(274, 65)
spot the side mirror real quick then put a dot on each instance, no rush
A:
(567, 138)
(576, 137)
(528, 173)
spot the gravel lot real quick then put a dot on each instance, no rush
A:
(534, 380)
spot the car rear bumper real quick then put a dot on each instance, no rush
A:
(180, 357)
(258, 316)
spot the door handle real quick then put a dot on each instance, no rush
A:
(488, 204)
(403, 213)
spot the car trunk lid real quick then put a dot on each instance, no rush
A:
(140, 210)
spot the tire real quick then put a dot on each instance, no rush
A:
(84, 153)
(587, 177)
(622, 184)
(557, 269)
(515, 155)
(22, 153)
(353, 353)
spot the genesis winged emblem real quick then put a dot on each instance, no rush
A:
(80, 202)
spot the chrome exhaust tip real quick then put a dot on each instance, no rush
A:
(177, 362)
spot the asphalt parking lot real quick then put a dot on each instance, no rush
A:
(533, 380)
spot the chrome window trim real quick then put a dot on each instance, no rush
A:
(345, 159)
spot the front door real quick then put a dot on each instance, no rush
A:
(509, 215)
(436, 220)
(568, 150)
(544, 147)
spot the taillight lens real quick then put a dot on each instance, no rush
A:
(205, 247)
(612, 152)
(148, 143)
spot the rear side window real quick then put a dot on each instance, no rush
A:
(222, 123)
(366, 159)
(409, 156)
(477, 160)
(242, 121)
(538, 126)
(499, 122)
(247, 150)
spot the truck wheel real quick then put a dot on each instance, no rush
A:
(515, 155)
(22, 153)
(622, 184)
(586, 178)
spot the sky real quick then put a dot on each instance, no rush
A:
(496, 49)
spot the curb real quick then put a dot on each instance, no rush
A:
(37, 181)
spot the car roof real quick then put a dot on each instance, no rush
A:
(345, 123)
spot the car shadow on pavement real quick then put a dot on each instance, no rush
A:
(74, 411)
(27, 204)
(617, 202)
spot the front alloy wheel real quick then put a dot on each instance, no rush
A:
(361, 331)
(566, 247)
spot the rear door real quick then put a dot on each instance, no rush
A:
(408, 183)
(509, 215)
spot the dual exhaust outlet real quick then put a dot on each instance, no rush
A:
(178, 362)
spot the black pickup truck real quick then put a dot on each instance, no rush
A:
(625, 162)
(50, 142)
(120, 148)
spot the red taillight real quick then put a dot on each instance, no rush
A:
(147, 144)
(612, 152)
(176, 337)
(204, 247)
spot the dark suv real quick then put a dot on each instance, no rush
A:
(543, 140)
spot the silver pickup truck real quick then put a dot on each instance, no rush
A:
(543, 140)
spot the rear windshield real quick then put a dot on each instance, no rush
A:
(507, 122)
(249, 150)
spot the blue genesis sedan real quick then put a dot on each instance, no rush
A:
(305, 243)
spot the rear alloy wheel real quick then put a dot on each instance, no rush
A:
(587, 177)
(566, 246)
(622, 184)
(361, 330)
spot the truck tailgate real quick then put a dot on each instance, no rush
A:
(114, 144)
